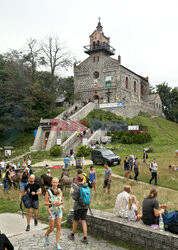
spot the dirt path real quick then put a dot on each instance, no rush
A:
(56, 163)
(156, 124)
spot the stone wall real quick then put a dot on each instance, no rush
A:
(111, 227)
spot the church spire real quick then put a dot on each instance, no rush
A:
(99, 26)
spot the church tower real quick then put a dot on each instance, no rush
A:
(99, 42)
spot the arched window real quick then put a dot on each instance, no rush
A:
(126, 82)
(94, 45)
(97, 58)
(141, 90)
(96, 75)
(94, 59)
(98, 44)
(135, 87)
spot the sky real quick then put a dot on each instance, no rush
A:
(143, 32)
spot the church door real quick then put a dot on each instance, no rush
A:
(46, 138)
(96, 99)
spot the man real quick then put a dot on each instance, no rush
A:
(80, 212)
(145, 156)
(34, 190)
(107, 178)
(136, 169)
(3, 164)
(122, 202)
(7, 179)
(153, 169)
(130, 160)
(66, 161)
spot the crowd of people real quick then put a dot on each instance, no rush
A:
(126, 205)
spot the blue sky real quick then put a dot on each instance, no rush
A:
(143, 32)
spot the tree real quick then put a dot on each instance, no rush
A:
(54, 55)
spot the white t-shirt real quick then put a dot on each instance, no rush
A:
(2, 164)
(131, 213)
(29, 162)
(121, 204)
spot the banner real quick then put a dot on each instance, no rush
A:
(59, 141)
(108, 82)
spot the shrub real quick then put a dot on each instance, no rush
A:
(83, 150)
(109, 133)
(124, 139)
(56, 151)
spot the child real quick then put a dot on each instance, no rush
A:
(72, 158)
(49, 172)
(133, 209)
(83, 162)
(92, 176)
(57, 197)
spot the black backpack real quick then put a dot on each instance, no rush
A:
(146, 156)
(172, 227)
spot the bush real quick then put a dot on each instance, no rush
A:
(83, 150)
(125, 139)
(56, 151)
(109, 133)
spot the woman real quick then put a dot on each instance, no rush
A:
(150, 208)
(57, 214)
(83, 161)
(126, 167)
(7, 179)
(24, 181)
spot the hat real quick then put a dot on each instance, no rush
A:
(80, 178)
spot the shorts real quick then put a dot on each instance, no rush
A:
(93, 181)
(35, 204)
(57, 214)
(66, 166)
(80, 214)
(6, 185)
(23, 185)
(127, 169)
(106, 184)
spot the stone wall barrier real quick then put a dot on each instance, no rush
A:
(109, 226)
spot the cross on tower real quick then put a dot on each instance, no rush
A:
(99, 19)
(108, 94)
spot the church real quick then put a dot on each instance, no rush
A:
(104, 80)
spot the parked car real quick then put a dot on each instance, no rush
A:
(102, 156)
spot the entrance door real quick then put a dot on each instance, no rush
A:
(96, 99)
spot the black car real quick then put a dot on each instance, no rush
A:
(102, 156)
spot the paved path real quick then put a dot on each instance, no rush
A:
(36, 241)
(56, 163)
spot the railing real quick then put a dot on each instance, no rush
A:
(99, 46)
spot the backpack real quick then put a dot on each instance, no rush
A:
(3, 176)
(171, 217)
(26, 201)
(85, 196)
(172, 227)
(54, 199)
(146, 156)
(87, 180)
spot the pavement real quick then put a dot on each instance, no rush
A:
(56, 163)
(13, 225)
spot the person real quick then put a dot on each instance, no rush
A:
(52, 209)
(7, 179)
(24, 181)
(83, 161)
(18, 164)
(12, 173)
(126, 167)
(24, 163)
(34, 190)
(92, 177)
(1, 172)
(3, 164)
(78, 133)
(72, 160)
(145, 156)
(49, 172)
(107, 178)
(66, 161)
(5, 243)
(57, 214)
(153, 169)
(136, 169)
(133, 209)
(130, 160)
(150, 208)
(28, 162)
(80, 212)
(71, 151)
(173, 167)
(122, 200)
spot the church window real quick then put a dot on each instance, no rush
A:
(96, 74)
(94, 44)
(94, 59)
(157, 105)
(135, 87)
(97, 58)
(127, 83)
(141, 90)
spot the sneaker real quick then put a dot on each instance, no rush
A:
(58, 247)
(85, 241)
(28, 228)
(71, 237)
(35, 222)
(46, 240)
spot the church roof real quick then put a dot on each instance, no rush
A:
(144, 78)
(60, 98)
(151, 98)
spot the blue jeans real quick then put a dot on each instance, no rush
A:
(6, 185)
(154, 176)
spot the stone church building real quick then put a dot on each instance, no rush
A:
(103, 79)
